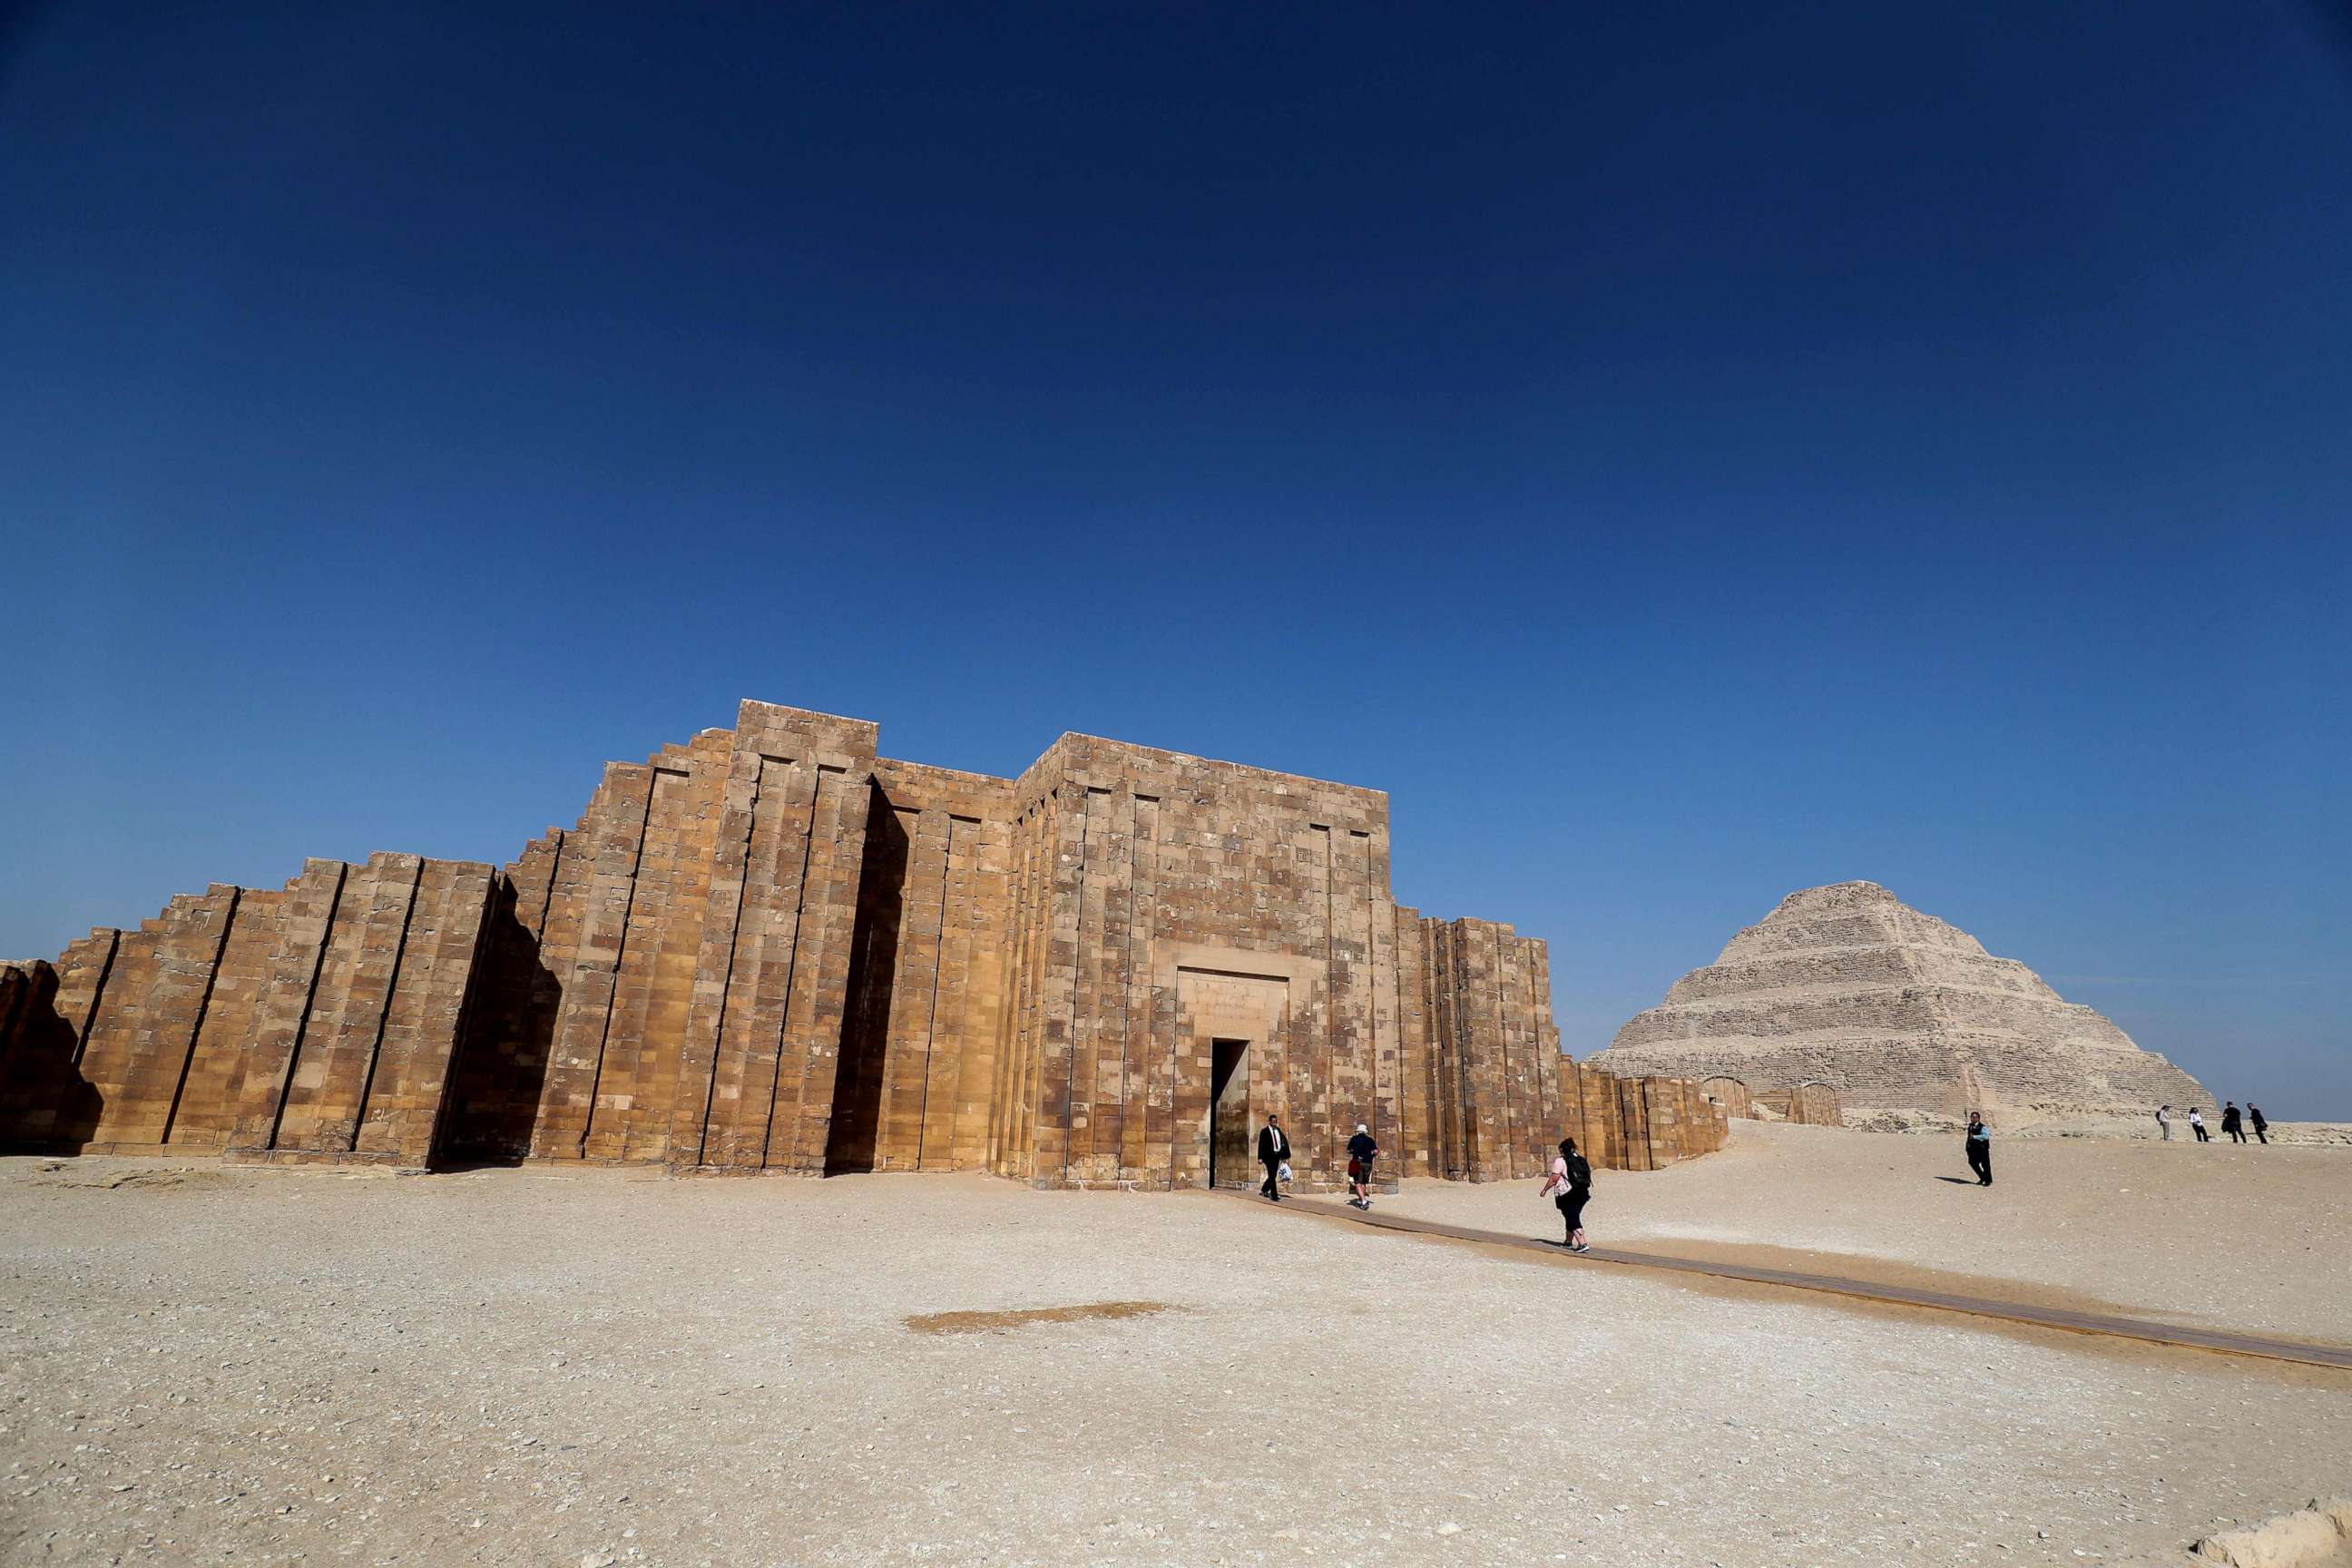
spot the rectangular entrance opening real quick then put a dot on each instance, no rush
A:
(1229, 1127)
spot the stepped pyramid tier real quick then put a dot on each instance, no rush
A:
(1907, 1018)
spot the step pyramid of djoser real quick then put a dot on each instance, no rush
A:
(1877, 1010)
(1867, 1069)
(1947, 1072)
(1805, 971)
(2066, 1076)
(1845, 914)
(1896, 1009)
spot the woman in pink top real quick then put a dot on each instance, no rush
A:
(1570, 1186)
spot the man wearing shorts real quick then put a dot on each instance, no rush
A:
(1361, 1149)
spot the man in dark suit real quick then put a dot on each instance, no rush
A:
(1273, 1149)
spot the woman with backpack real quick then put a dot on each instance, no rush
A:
(1570, 1186)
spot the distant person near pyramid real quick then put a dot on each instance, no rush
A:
(1908, 1019)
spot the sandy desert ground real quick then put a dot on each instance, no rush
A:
(565, 1368)
(2216, 1234)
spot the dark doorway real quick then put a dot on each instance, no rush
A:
(1229, 1124)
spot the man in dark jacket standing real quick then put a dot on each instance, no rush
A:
(1981, 1150)
(1273, 1149)
(2262, 1128)
(2232, 1124)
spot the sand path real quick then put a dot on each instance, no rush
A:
(1927, 1289)
(2239, 1239)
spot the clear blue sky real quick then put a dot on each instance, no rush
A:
(1683, 458)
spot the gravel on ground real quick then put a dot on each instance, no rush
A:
(596, 1367)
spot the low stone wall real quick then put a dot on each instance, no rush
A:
(314, 1021)
(1638, 1123)
(1807, 1105)
(1729, 1093)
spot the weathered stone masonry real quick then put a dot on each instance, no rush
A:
(771, 949)
(1845, 1000)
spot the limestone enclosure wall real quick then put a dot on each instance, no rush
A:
(313, 1021)
(771, 949)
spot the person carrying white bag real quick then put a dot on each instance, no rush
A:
(1273, 1153)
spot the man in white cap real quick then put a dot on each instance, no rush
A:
(1361, 1149)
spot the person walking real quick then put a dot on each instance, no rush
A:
(1980, 1142)
(2262, 1128)
(2164, 1121)
(2231, 1123)
(1570, 1187)
(1361, 1149)
(1272, 1152)
(2197, 1124)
